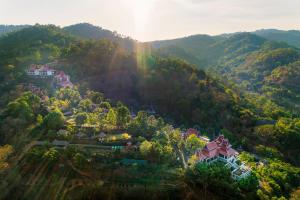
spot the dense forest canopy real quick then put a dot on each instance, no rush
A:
(4, 29)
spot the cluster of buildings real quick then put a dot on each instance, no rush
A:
(41, 71)
(219, 150)
(45, 71)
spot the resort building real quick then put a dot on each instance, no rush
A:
(220, 150)
(45, 71)
(42, 71)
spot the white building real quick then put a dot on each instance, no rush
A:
(220, 150)
(40, 71)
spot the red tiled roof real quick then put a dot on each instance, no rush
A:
(61, 74)
(215, 148)
(34, 67)
(211, 145)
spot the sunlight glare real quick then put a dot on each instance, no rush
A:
(141, 10)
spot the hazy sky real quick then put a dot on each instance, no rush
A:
(157, 19)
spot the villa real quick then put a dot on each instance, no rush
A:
(45, 71)
(220, 150)
(42, 71)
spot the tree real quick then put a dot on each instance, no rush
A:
(193, 143)
(145, 148)
(79, 159)
(69, 94)
(5, 151)
(268, 151)
(95, 97)
(123, 116)
(111, 117)
(20, 109)
(26, 106)
(54, 120)
(249, 183)
(81, 118)
(105, 105)
(51, 155)
(85, 105)
(214, 177)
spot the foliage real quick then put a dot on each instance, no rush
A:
(145, 147)
(95, 97)
(268, 151)
(215, 177)
(5, 152)
(79, 159)
(54, 120)
(111, 117)
(193, 143)
(85, 105)
(81, 118)
(68, 94)
(123, 116)
(51, 155)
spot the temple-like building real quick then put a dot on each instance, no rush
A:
(221, 150)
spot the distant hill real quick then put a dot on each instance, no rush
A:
(10, 28)
(291, 37)
(251, 60)
(247, 59)
(195, 47)
(40, 43)
(89, 31)
(209, 50)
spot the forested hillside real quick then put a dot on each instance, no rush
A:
(244, 58)
(89, 31)
(113, 86)
(4, 29)
(291, 37)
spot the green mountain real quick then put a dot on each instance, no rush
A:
(245, 58)
(291, 37)
(89, 31)
(4, 29)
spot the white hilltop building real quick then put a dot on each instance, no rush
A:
(41, 71)
(220, 150)
(45, 71)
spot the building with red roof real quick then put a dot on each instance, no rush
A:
(63, 80)
(220, 148)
